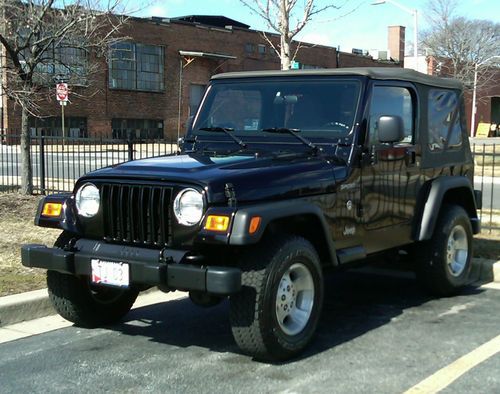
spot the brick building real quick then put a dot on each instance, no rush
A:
(155, 80)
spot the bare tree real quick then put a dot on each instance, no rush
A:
(287, 18)
(460, 44)
(44, 42)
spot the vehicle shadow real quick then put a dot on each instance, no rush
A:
(355, 303)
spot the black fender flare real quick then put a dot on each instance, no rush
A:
(67, 221)
(438, 188)
(270, 212)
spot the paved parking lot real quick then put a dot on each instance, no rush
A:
(377, 334)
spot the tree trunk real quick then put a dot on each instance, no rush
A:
(285, 40)
(285, 54)
(26, 168)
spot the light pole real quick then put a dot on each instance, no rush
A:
(473, 109)
(413, 12)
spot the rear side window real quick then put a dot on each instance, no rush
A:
(391, 100)
(445, 129)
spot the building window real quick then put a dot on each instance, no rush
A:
(75, 127)
(136, 66)
(262, 49)
(445, 130)
(61, 62)
(249, 48)
(70, 65)
(137, 128)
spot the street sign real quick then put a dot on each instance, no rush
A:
(295, 65)
(62, 92)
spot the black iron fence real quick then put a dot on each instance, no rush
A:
(58, 163)
(487, 179)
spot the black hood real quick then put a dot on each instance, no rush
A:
(253, 177)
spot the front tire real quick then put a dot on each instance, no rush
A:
(445, 260)
(275, 315)
(83, 303)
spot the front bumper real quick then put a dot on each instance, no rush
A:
(147, 266)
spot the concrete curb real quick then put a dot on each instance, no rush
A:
(34, 304)
(486, 270)
(25, 306)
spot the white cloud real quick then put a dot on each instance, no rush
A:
(155, 10)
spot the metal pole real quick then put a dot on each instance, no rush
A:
(62, 123)
(130, 145)
(42, 164)
(473, 109)
(180, 100)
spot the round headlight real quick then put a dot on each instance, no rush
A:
(188, 207)
(88, 200)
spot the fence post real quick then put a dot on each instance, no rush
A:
(42, 164)
(130, 144)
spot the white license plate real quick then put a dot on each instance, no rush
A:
(110, 273)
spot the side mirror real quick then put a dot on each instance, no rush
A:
(390, 129)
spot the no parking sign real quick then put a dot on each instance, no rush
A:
(62, 93)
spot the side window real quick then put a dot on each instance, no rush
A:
(445, 130)
(395, 101)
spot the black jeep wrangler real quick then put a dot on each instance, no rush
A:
(280, 176)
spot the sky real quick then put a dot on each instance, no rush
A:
(357, 24)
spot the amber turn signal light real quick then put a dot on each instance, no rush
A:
(254, 224)
(217, 223)
(52, 209)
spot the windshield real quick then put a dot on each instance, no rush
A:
(316, 108)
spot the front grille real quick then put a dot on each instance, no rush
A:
(137, 214)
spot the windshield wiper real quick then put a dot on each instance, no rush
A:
(286, 130)
(228, 131)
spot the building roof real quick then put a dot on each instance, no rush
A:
(381, 73)
(211, 20)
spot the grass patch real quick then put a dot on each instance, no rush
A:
(16, 228)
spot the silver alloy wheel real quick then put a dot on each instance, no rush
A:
(295, 299)
(457, 250)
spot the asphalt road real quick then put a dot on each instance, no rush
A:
(62, 165)
(376, 334)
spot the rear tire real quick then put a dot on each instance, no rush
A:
(275, 315)
(83, 303)
(445, 260)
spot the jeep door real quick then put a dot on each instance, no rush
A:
(390, 179)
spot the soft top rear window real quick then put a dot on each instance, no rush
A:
(445, 128)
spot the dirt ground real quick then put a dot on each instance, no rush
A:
(16, 228)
